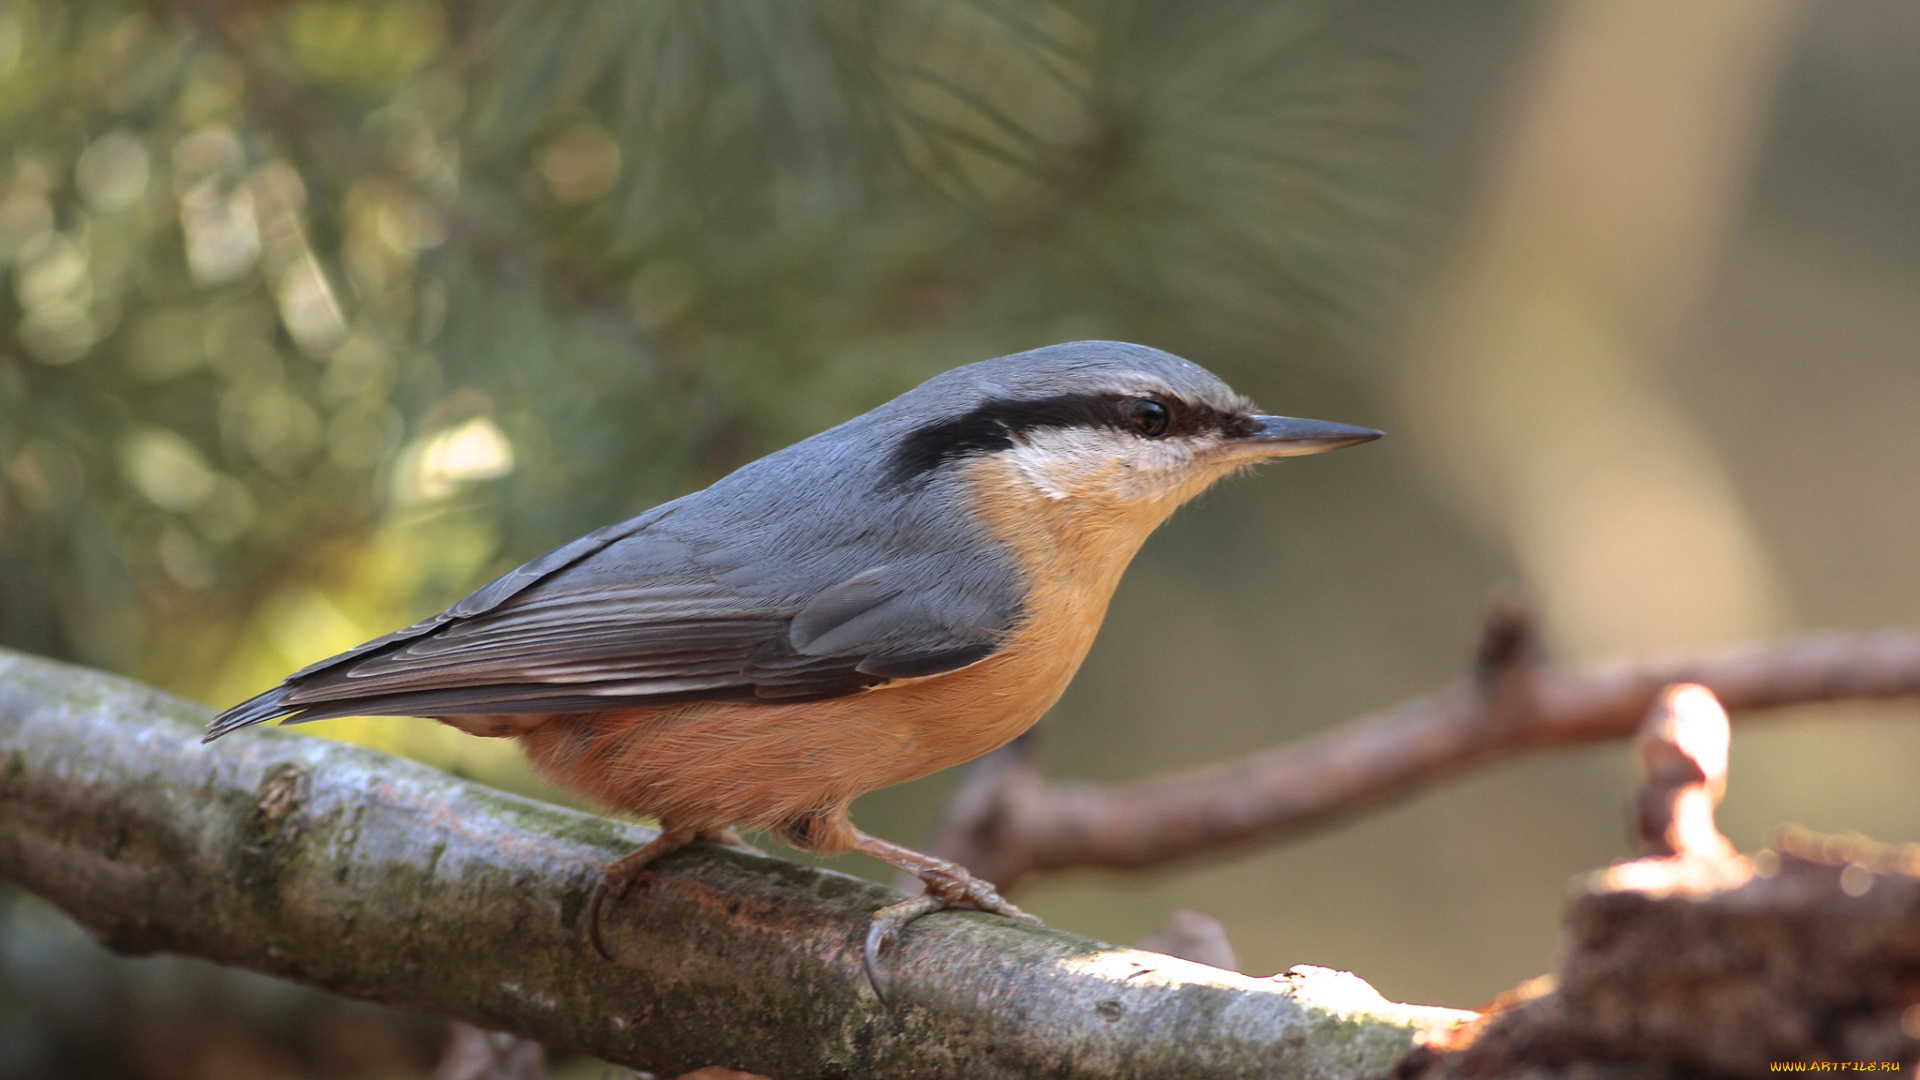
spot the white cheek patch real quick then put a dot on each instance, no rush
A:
(1061, 462)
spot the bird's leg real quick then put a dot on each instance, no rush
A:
(948, 881)
(617, 878)
(948, 885)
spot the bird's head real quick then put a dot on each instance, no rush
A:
(1098, 424)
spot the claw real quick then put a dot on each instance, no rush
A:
(884, 933)
(619, 877)
(593, 919)
(948, 886)
(981, 896)
(890, 921)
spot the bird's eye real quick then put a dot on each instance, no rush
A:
(1148, 417)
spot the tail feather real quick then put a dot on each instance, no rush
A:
(532, 701)
(251, 711)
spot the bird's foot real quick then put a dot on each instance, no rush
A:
(948, 886)
(951, 883)
(619, 877)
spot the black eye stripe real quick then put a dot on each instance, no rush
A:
(994, 425)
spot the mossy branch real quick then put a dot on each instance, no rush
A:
(381, 879)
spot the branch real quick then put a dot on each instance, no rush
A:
(1006, 821)
(381, 879)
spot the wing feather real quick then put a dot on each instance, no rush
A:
(646, 613)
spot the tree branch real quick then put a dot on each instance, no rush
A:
(381, 879)
(1006, 821)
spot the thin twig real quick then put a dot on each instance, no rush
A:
(1009, 822)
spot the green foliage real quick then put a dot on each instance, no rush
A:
(319, 312)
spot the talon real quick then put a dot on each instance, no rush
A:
(619, 877)
(601, 890)
(1017, 915)
(593, 919)
(1007, 911)
(890, 921)
(948, 885)
(983, 897)
(884, 933)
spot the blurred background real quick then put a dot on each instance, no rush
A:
(319, 313)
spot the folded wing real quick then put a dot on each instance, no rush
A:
(637, 622)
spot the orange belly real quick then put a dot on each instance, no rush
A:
(709, 765)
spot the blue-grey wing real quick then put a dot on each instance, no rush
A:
(503, 588)
(645, 613)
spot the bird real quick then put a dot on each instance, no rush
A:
(890, 597)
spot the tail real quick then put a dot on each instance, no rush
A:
(482, 710)
(251, 711)
(263, 707)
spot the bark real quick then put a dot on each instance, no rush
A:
(381, 879)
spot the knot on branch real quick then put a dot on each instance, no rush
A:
(1503, 665)
(1682, 754)
(282, 793)
(272, 830)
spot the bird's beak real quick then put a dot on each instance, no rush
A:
(1287, 436)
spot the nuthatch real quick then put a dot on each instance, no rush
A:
(895, 595)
